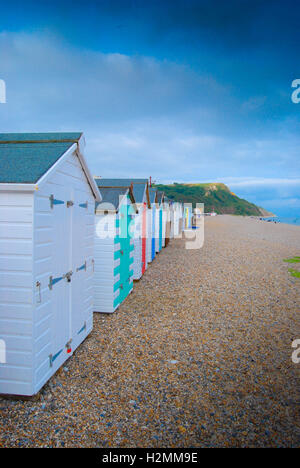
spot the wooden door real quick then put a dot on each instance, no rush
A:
(77, 291)
(144, 234)
(61, 262)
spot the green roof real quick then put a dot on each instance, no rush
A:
(152, 195)
(139, 186)
(160, 196)
(111, 196)
(26, 157)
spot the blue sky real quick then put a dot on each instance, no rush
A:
(182, 91)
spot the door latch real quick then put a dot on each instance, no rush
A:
(82, 267)
(68, 276)
(38, 286)
(68, 346)
(70, 203)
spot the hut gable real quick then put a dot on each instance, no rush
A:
(140, 187)
(112, 197)
(152, 195)
(27, 158)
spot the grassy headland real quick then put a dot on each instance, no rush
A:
(215, 196)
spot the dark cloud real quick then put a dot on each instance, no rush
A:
(187, 91)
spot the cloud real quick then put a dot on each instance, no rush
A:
(262, 182)
(143, 116)
(43, 73)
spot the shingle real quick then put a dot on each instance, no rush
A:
(25, 163)
(139, 186)
(19, 137)
(152, 195)
(110, 196)
(160, 196)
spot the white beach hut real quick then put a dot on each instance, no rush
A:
(114, 248)
(47, 200)
(178, 219)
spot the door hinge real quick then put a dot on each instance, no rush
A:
(52, 358)
(54, 201)
(82, 329)
(52, 281)
(82, 267)
(68, 276)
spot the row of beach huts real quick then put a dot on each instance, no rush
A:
(70, 244)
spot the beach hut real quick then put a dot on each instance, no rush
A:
(47, 200)
(182, 217)
(167, 221)
(179, 221)
(188, 213)
(176, 216)
(114, 249)
(159, 221)
(140, 191)
(153, 200)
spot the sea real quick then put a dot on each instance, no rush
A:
(281, 219)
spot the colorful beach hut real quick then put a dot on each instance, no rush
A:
(153, 200)
(188, 214)
(47, 200)
(151, 226)
(140, 191)
(166, 221)
(114, 248)
(159, 221)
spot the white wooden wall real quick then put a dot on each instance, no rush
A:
(149, 236)
(51, 244)
(104, 278)
(42, 242)
(164, 225)
(137, 242)
(157, 224)
(16, 291)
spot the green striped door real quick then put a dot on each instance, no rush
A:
(124, 220)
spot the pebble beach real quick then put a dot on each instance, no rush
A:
(199, 355)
